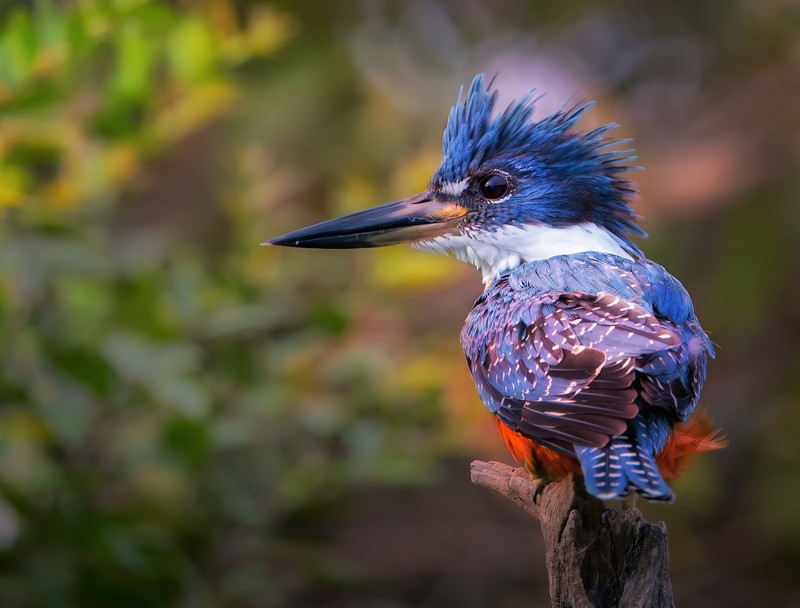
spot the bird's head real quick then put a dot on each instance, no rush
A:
(509, 190)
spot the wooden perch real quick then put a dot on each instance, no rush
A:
(596, 557)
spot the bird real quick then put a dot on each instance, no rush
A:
(589, 356)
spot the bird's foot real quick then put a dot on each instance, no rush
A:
(540, 481)
(539, 485)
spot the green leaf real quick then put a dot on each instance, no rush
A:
(191, 50)
(18, 48)
(86, 366)
(134, 64)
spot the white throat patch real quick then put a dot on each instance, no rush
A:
(510, 246)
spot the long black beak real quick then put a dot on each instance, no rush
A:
(415, 218)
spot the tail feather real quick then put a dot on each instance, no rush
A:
(650, 451)
(602, 471)
(641, 470)
(612, 470)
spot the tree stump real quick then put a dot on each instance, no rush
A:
(596, 556)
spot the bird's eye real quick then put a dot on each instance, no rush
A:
(493, 186)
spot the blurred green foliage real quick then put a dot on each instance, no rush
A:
(157, 437)
(87, 92)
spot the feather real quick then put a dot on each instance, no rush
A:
(600, 377)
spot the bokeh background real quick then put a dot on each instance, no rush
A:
(187, 419)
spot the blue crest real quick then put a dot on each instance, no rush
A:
(574, 176)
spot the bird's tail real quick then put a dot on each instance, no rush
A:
(622, 464)
(649, 452)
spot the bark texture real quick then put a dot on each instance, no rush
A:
(596, 557)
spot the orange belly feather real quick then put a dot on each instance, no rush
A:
(536, 457)
(696, 435)
(687, 438)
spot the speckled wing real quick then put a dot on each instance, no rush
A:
(672, 379)
(560, 368)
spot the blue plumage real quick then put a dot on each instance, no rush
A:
(562, 177)
(591, 355)
(579, 344)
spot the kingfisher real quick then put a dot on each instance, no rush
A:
(589, 355)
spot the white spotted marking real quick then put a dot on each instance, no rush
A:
(454, 188)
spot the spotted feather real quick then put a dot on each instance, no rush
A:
(600, 376)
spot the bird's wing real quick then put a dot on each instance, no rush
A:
(672, 379)
(560, 367)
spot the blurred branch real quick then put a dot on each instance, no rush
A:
(595, 556)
